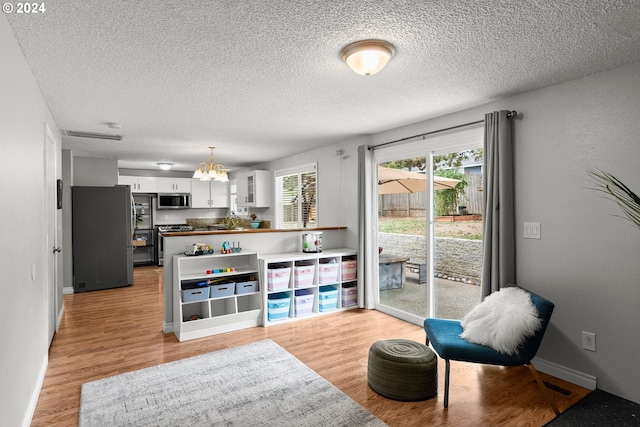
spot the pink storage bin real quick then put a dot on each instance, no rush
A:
(278, 278)
(303, 275)
(349, 269)
(328, 273)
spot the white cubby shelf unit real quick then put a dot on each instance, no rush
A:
(299, 285)
(215, 293)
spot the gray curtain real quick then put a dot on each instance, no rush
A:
(498, 252)
(367, 265)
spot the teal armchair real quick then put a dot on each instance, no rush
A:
(444, 336)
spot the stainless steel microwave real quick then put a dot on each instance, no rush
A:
(174, 201)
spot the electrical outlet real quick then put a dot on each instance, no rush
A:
(589, 341)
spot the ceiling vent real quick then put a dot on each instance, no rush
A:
(93, 135)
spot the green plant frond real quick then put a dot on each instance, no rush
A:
(618, 192)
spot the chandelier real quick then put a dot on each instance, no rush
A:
(210, 171)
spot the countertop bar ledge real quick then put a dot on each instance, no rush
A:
(250, 231)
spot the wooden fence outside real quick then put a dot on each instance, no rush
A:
(413, 204)
(474, 194)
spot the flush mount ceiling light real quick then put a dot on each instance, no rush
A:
(367, 57)
(209, 171)
(165, 166)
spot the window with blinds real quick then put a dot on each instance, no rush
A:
(296, 197)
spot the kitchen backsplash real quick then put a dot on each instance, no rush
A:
(207, 222)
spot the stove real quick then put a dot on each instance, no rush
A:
(167, 228)
(174, 228)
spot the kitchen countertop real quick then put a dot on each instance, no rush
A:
(248, 231)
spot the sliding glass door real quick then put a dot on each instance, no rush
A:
(429, 258)
(402, 236)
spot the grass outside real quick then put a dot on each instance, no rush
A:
(471, 230)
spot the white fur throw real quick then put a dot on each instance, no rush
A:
(502, 321)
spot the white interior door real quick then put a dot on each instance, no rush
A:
(53, 290)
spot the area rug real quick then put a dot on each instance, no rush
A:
(258, 384)
(599, 409)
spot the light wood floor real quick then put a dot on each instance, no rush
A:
(109, 332)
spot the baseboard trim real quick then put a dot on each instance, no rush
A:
(59, 319)
(575, 377)
(67, 290)
(31, 410)
(167, 328)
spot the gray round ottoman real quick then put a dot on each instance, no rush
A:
(402, 370)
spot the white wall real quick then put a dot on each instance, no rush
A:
(93, 172)
(588, 260)
(23, 301)
(337, 184)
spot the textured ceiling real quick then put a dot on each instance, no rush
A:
(264, 79)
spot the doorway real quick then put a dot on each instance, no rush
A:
(430, 261)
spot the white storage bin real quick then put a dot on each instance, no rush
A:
(303, 302)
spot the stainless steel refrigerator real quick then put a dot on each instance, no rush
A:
(102, 224)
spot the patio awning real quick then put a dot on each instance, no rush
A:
(394, 181)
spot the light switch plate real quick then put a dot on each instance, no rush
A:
(532, 230)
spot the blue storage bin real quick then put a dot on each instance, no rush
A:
(328, 297)
(246, 287)
(197, 294)
(278, 306)
(222, 290)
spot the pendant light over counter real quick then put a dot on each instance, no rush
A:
(210, 171)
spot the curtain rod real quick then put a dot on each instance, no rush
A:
(510, 115)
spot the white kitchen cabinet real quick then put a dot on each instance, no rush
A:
(140, 184)
(241, 189)
(174, 185)
(254, 189)
(209, 194)
(297, 285)
(234, 303)
(200, 194)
